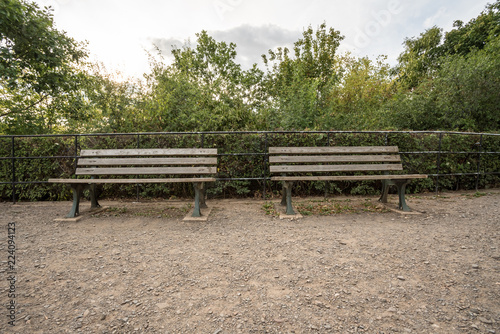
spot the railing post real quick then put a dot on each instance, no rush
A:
(13, 172)
(479, 149)
(439, 161)
(137, 185)
(266, 159)
(327, 183)
(76, 151)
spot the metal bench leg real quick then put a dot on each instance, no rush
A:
(401, 185)
(93, 198)
(287, 193)
(197, 191)
(283, 194)
(75, 208)
(385, 191)
(203, 204)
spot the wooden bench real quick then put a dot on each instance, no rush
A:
(172, 165)
(329, 163)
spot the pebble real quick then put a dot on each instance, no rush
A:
(485, 321)
(162, 305)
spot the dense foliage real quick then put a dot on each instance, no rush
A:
(40, 82)
(443, 81)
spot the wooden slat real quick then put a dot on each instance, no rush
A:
(333, 158)
(146, 170)
(334, 168)
(145, 161)
(148, 152)
(348, 177)
(159, 180)
(333, 150)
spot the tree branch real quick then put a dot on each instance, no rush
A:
(25, 108)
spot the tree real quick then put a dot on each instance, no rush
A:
(424, 55)
(451, 83)
(112, 103)
(203, 90)
(358, 100)
(38, 66)
(463, 95)
(474, 35)
(298, 86)
(172, 103)
(467, 90)
(420, 59)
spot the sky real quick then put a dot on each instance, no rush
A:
(120, 33)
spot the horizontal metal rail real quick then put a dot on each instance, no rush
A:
(262, 151)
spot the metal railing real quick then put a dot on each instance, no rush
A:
(10, 157)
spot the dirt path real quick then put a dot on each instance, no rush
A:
(138, 268)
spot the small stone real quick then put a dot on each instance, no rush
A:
(401, 278)
(320, 304)
(485, 321)
(475, 266)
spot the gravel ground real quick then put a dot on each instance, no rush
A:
(139, 268)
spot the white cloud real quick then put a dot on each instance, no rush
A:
(251, 42)
(431, 21)
(119, 31)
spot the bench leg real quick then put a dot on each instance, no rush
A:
(198, 186)
(283, 195)
(401, 185)
(94, 204)
(287, 197)
(77, 192)
(385, 191)
(203, 204)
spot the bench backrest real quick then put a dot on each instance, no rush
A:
(334, 159)
(178, 161)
